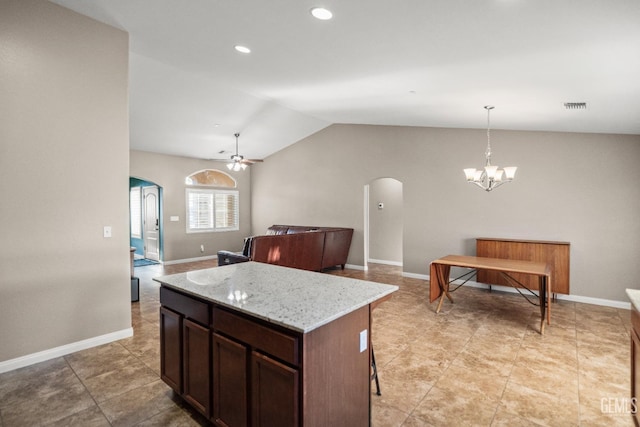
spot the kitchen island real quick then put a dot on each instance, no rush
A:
(254, 344)
(634, 297)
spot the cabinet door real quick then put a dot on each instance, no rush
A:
(171, 348)
(635, 371)
(274, 392)
(197, 372)
(229, 382)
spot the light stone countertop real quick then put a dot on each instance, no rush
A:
(296, 299)
(634, 296)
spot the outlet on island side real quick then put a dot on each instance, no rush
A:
(364, 342)
(202, 248)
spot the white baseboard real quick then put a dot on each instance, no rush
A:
(574, 298)
(356, 267)
(181, 261)
(415, 275)
(41, 356)
(385, 262)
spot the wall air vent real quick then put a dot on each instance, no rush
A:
(575, 105)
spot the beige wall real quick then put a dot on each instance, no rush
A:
(169, 172)
(63, 177)
(581, 188)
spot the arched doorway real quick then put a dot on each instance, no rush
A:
(145, 217)
(384, 223)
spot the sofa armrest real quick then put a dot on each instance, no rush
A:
(336, 247)
(228, 257)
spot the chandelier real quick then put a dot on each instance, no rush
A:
(490, 176)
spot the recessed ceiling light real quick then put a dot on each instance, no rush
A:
(242, 49)
(321, 13)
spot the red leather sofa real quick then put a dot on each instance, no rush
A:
(306, 248)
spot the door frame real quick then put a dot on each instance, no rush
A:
(367, 222)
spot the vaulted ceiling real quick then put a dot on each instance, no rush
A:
(388, 62)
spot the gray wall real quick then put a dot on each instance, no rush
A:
(169, 172)
(64, 174)
(581, 188)
(386, 224)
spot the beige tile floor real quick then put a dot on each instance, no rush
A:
(479, 362)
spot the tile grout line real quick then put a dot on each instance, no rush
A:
(87, 390)
(513, 365)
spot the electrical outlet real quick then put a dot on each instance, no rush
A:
(202, 248)
(364, 342)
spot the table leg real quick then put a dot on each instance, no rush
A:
(549, 293)
(442, 272)
(542, 291)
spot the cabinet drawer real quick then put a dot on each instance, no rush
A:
(193, 309)
(270, 341)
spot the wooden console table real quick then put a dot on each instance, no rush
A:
(556, 254)
(440, 268)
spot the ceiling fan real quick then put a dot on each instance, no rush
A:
(237, 161)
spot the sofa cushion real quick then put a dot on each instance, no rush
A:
(277, 230)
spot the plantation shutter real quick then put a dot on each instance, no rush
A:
(212, 210)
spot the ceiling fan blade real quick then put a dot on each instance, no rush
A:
(245, 161)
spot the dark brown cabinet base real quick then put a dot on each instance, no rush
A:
(238, 370)
(635, 364)
(230, 396)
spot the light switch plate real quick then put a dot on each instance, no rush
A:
(175, 218)
(107, 231)
(363, 341)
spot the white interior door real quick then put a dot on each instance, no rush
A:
(151, 222)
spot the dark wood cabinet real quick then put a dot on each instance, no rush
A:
(230, 385)
(171, 348)
(274, 392)
(635, 363)
(185, 345)
(196, 366)
(239, 370)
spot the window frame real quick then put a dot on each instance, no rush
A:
(212, 192)
(135, 211)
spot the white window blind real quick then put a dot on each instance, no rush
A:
(135, 207)
(212, 210)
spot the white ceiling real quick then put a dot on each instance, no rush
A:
(387, 62)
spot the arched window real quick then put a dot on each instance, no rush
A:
(211, 178)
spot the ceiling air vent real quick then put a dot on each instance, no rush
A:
(575, 105)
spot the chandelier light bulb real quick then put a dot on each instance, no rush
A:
(470, 173)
